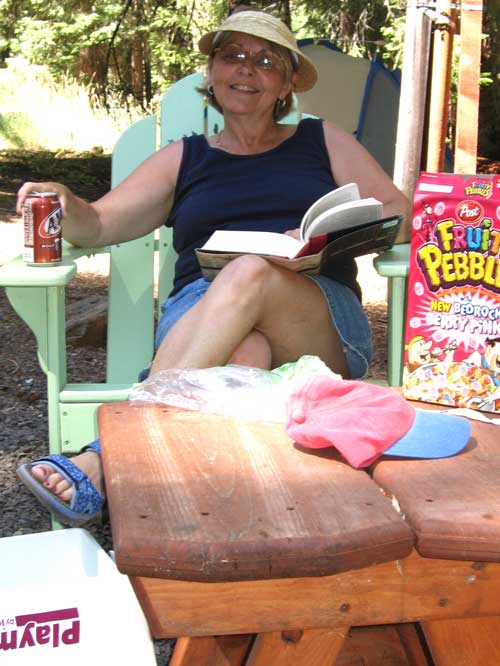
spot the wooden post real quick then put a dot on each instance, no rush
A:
(444, 30)
(412, 100)
(468, 87)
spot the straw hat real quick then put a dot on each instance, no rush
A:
(265, 26)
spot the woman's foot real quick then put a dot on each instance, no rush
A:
(72, 489)
(89, 462)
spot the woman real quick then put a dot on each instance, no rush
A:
(254, 174)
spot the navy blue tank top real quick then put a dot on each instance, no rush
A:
(269, 191)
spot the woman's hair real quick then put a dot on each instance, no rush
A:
(281, 109)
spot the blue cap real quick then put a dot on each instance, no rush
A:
(432, 435)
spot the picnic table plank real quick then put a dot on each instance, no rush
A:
(204, 497)
(452, 504)
(412, 589)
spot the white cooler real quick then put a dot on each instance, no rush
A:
(63, 601)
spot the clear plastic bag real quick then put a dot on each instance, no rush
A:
(231, 390)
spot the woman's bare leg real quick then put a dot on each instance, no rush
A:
(253, 351)
(250, 294)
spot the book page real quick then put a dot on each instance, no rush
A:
(346, 215)
(344, 194)
(253, 242)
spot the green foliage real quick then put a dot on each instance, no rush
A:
(489, 109)
(355, 26)
(18, 130)
(133, 47)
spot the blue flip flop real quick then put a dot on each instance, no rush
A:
(86, 504)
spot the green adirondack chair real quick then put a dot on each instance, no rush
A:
(37, 293)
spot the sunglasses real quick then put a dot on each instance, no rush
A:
(263, 60)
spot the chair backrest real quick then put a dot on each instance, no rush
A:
(131, 295)
(131, 313)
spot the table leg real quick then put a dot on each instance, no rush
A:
(464, 642)
(211, 650)
(411, 641)
(300, 648)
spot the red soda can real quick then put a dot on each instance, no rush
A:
(42, 228)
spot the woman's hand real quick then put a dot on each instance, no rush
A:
(294, 233)
(81, 225)
(62, 192)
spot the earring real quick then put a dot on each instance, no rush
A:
(210, 90)
(279, 106)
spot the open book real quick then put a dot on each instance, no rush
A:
(340, 222)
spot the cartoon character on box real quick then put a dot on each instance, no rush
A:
(428, 219)
(421, 352)
(489, 360)
(452, 340)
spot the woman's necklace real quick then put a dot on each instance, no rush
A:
(220, 143)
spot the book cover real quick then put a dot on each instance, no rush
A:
(452, 337)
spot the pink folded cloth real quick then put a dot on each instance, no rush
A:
(363, 421)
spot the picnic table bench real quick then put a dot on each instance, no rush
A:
(256, 552)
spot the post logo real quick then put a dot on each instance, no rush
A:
(469, 211)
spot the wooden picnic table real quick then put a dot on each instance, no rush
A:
(257, 552)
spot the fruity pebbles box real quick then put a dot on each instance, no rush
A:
(452, 339)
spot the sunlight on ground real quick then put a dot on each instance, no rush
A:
(38, 112)
(11, 241)
(374, 286)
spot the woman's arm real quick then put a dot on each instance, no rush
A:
(352, 163)
(138, 205)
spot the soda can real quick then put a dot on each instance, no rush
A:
(42, 229)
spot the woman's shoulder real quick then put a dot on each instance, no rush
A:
(335, 132)
(186, 148)
(311, 124)
(310, 129)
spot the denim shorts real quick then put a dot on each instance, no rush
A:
(348, 317)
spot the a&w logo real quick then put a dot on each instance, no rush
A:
(51, 225)
(52, 628)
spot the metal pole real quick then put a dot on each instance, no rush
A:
(439, 105)
(412, 100)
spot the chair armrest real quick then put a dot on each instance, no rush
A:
(16, 273)
(37, 294)
(394, 262)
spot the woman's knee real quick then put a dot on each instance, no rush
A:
(242, 280)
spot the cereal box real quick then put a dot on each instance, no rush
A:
(452, 338)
